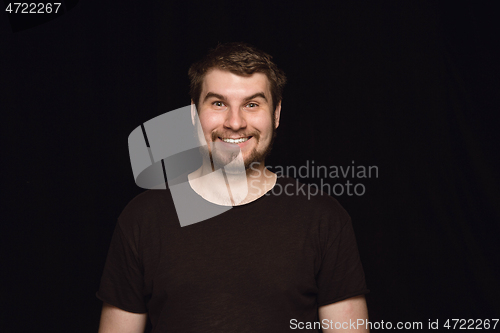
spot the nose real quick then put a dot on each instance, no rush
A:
(235, 119)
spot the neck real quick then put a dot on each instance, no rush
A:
(232, 189)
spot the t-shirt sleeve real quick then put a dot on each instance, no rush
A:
(341, 274)
(122, 282)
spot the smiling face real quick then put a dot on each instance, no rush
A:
(236, 111)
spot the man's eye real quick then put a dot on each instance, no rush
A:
(252, 105)
(218, 104)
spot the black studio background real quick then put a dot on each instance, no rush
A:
(409, 87)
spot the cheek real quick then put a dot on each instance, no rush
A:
(265, 126)
(208, 123)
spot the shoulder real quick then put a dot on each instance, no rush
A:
(151, 201)
(146, 201)
(307, 206)
(309, 198)
(147, 208)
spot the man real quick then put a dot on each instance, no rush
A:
(272, 263)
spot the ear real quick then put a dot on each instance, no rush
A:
(193, 112)
(277, 114)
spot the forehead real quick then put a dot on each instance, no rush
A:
(227, 83)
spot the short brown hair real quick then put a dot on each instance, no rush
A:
(240, 59)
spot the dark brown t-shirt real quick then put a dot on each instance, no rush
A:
(258, 267)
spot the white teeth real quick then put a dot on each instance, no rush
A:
(240, 140)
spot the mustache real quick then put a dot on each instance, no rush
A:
(216, 135)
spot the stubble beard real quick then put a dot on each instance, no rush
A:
(221, 158)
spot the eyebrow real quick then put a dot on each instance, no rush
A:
(259, 94)
(214, 95)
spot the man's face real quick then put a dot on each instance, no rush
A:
(236, 111)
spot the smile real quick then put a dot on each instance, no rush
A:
(240, 140)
